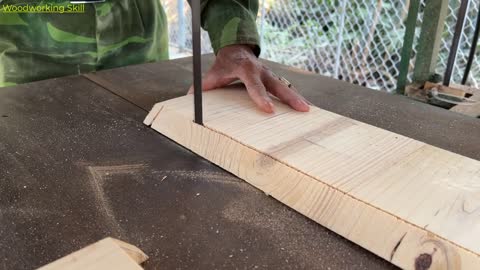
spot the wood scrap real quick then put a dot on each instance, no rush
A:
(105, 254)
(470, 109)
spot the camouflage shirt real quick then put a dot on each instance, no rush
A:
(36, 46)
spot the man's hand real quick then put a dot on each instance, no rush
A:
(237, 62)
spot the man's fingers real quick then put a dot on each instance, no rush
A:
(213, 80)
(304, 99)
(285, 94)
(257, 92)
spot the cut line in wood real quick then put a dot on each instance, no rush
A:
(413, 204)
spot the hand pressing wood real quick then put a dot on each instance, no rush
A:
(411, 203)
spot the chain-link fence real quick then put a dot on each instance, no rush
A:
(356, 41)
(465, 43)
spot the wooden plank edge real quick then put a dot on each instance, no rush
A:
(88, 257)
(472, 110)
(396, 240)
(132, 251)
(157, 108)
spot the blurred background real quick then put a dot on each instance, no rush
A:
(356, 41)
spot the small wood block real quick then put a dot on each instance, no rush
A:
(472, 110)
(105, 254)
(445, 89)
(410, 203)
(468, 109)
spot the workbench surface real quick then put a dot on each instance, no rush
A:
(77, 165)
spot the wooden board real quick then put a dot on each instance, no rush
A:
(105, 254)
(413, 204)
(461, 91)
(468, 109)
(472, 110)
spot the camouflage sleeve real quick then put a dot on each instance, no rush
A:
(231, 22)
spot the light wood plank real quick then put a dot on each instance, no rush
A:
(406, 201)
(105, 254)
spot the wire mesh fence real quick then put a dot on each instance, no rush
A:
(465, 43)
(356, 41)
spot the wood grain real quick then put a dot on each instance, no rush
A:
(413, 204)
(105, 254)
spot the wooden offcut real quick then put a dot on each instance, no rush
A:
(105, 254)
(410, 203)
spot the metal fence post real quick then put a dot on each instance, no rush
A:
(473, 47)
(433, 24)
(262, 20)
(340, 39)
(457, 36)
(181, 24)
(410, 27)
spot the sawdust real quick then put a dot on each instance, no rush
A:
(203, 175)
(98, 176)
(297, 237)
(27, 212)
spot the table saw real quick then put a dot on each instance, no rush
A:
(77, 165)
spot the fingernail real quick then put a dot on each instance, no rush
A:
(269, 105)
(304, 102)
(301, 102)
